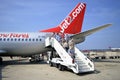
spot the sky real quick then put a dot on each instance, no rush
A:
(35, 15)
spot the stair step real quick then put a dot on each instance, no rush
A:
(80, 62)
(84, 69)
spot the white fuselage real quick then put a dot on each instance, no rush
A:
(22, 44)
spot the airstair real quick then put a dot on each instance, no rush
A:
(81, 63)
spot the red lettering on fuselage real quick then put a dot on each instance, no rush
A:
(4, 35)
(14, 35)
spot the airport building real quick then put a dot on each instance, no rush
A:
(103, 53)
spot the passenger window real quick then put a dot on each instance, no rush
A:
(36, 39)
(22, 39)
(40, 39)
(29, 39)
(26, 39)
(19, 39)
(4, 39)
(33, 39)
(11, 39)
(8, 39)
(0, 39)
(15, 39)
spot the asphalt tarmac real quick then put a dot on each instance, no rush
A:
(22, 69)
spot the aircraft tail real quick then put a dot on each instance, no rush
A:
(72, 24)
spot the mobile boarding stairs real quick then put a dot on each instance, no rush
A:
(81, 63)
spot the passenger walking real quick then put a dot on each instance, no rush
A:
(71, 53)
(71, 50)
(71, 43)
(58, 37)
(67, 38)
(62, 35)
(53, 35)
(65, 45)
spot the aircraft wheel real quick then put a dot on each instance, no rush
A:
(61, 67)
(51, 64)
(31, 60)
(1, 60)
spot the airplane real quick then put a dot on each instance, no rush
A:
(28, 44)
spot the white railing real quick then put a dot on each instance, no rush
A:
(61, 51)
(84, 59)
(67, 60)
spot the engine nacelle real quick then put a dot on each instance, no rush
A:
(79, 40)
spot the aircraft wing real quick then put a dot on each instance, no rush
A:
(80, 37)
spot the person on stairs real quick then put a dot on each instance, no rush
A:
(71, 50)
(65, 45)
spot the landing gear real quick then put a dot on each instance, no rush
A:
(51, 64)
(61, 67)
(1, 60)
(36, 58)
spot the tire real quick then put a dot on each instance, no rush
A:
(31, 60)
(61, 67)
(51, 64)
(1, 60)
